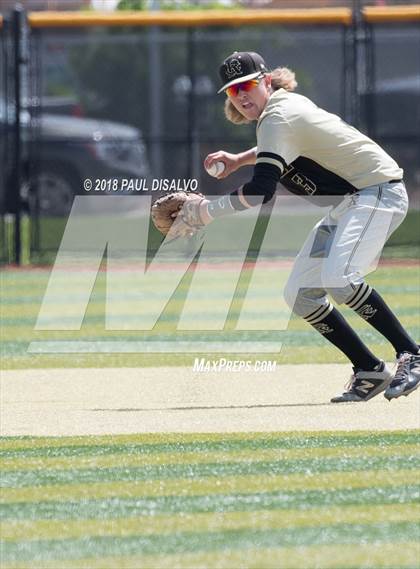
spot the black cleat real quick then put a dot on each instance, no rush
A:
(364, 385)
(407, 376)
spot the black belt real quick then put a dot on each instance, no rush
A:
(360, 189)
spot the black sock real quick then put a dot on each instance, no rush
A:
(331, 324)
(371, 307)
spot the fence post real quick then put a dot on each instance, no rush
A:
(370, 108)
(355, 107)
(348, 75)
(18, 19)
(361, 63)
(193, 170)
(155, 95)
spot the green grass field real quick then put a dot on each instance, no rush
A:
(264, 500)
(272, 500)
(22, 292)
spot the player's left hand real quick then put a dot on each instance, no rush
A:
(194, 213)
(180, 214)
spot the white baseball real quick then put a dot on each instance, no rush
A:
(216, 168)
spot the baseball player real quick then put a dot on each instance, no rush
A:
(312, 152)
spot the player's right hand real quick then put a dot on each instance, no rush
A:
(231, 162)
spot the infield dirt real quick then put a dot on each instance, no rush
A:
(70, 402)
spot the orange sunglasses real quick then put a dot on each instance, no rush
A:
(245, 86)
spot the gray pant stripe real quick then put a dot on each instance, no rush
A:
(364, 229)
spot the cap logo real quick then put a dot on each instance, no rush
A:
(233, 68)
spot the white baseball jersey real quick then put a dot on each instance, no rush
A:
(316, 151)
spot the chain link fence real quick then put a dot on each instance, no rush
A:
(103, 103)
(391, 96)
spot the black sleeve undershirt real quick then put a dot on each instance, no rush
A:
(263, 183)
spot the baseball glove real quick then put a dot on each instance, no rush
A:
(165, 212)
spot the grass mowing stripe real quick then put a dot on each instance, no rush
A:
(265, 519)
(209, 541)
(12, 319)
(116, 507)
(184, 487)
(18, 345)
(401, 555)
(107, 461)
(54, 447)
(298, 355)
(36, 478)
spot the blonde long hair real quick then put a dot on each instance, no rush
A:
(281, 78)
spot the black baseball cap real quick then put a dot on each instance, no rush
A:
(241, 66)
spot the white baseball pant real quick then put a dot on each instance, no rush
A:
(343, 247)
